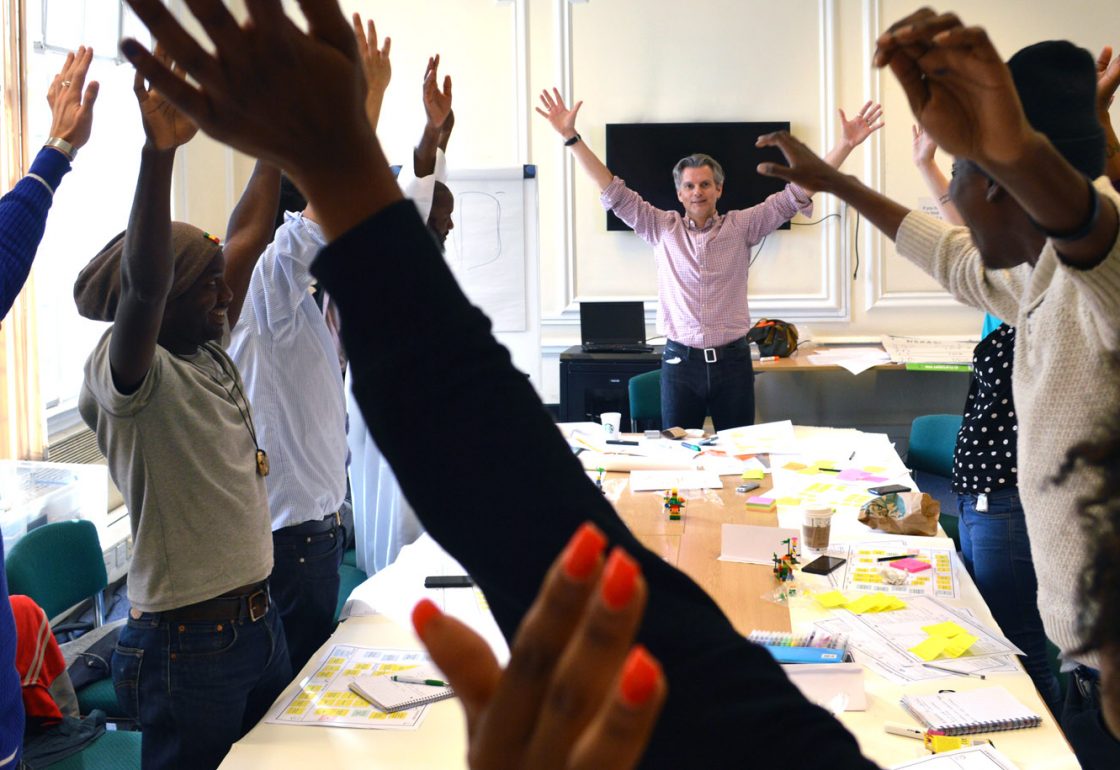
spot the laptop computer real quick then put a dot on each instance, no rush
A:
(613, 327)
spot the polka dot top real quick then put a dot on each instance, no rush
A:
(985, 458)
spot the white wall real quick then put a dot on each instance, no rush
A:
(666, 60)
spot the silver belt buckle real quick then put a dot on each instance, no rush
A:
(982, 502)
(709, 355)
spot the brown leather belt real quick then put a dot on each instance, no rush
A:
(248, 603)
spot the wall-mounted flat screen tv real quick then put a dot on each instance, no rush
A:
(644, 154)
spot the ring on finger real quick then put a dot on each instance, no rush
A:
(65, 83)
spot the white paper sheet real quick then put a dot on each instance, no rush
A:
(753, 545)
(982, 757)
(649, 481)
(768, 437)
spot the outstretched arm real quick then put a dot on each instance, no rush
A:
(924, 152)
(147, 271)
(962, 93)
(249, 231)
(1108, 78)
(375, 65)
(440, 120)
(563, 121)
(810, 172)
(23, 211)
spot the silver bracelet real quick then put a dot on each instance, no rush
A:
(63, 146)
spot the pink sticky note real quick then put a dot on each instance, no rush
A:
(765, 501)
(852, 474)
(910, 564)
(874, 479)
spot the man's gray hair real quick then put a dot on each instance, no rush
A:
(696, 160)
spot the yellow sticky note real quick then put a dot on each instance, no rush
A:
(874, 468)
(959, 644)
(930, 648)
(831, 599)
(865, 603)
(812, 471)
(754, 473)
(946, 630)
(792, 466)
(791, 501)
(893, 603)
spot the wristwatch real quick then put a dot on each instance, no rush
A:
(571, 141)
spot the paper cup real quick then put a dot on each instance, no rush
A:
(612, 421)
(816, 528)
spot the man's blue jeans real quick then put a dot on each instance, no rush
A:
(692, 388)
(997, 553)
(196, 687)
(305, 584)
(1083, 722)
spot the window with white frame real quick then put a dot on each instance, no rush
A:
(93, 201)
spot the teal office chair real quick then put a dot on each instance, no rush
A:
(115, 750)
(645, 399)
(60, 565)
(932, 440)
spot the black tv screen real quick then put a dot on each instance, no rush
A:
(644, 154)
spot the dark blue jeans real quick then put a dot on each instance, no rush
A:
(997, 553)
(692, 388)
(1083, 723)
(305, 585)
(197, 687)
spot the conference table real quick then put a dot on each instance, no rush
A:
(692, 544)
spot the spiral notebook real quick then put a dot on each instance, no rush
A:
(390, 696)
(987, 710)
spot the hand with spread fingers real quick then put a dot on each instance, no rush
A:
(576, 693)
(924, 148)
(376, 66)
(71, 108)
(866, 122)
(959, 88)
(437, 102)
(164, 124)
(1108, 79)
(557, 113)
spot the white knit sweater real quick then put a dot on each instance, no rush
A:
(1066, 320)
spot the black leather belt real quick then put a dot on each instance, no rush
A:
(315, 526)
(246, 603)
(708, 355)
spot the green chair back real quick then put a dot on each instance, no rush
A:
(114, 750)
(58, 565)
(932, 439)
(645, 397)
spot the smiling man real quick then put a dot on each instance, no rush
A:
(703, 259)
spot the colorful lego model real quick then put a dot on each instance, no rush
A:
(599, 481)
(674, 504)
(784, 564)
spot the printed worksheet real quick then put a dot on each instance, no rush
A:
(982, 757)
(904, 629)
(324, 698)
(865, 572)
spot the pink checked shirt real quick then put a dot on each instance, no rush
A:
(702, 271)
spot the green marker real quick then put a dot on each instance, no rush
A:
(417, 680)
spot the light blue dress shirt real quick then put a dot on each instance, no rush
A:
(288, 361)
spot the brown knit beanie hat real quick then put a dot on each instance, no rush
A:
(98, 288)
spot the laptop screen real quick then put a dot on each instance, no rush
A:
(612, 323)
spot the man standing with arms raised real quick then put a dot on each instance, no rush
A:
(702, 262)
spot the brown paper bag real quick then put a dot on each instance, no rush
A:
(902, 513)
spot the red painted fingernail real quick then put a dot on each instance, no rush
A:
(640, 673)
(422, 614)
(582, 554)
(619, 579)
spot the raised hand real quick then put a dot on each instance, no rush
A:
(805, 168)
(867, 121)
(958, 86)
(1108, 78)
(558, 115)
(437, 103)
(164, 125)
(576, 692)
(924, 147)
(71, 111)
(376, 66)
